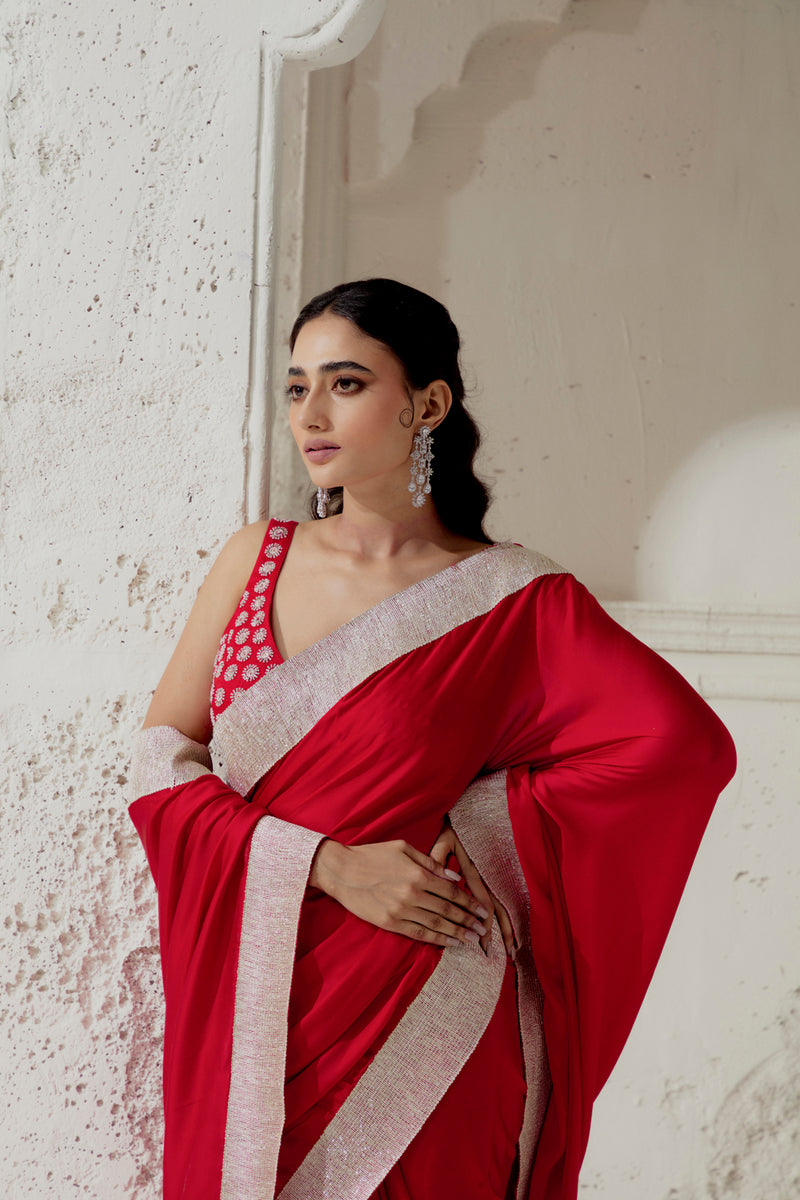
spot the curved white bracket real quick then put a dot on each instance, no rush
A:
(314, 33)
(339, 36)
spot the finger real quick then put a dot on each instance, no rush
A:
(430, 864)
(479, 890)
(453, 913)
(435, 894)
(450, 892)
(442, 883)
(424, 926)
(443, 847)
(506, 928)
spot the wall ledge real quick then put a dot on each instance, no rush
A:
(708, 630)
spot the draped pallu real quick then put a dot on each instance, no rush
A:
(306, 1050)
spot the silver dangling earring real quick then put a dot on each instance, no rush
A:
(421, 469)
(323, 496)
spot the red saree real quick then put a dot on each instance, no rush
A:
(308, 1052)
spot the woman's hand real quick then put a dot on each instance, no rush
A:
(446, 844)
(394, 886)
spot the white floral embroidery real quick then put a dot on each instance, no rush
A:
(229, 651)
(258, 602)
(279, 531)
(242, 617)
(261, 586)
(237, 692)
(272, 552)
(259, 635)
(250, 672)
(231, 671)
(219, 696)
(245, 597)
(268, 567)
(242, 636)
(244, 653)
(257, 619)
(265, 653)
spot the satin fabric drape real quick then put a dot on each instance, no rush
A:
(613, 766)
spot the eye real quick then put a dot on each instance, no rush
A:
(295, 391)
(347, 385)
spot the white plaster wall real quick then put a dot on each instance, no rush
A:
(129, 139)
(605, 193)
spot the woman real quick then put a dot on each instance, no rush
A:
(404, 943)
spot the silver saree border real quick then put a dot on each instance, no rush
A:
(163, 757)
(412, 1071)
(277, 874)
(272, 716)
(407, 1078)
(483, 825)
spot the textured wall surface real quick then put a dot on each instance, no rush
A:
(126, 250)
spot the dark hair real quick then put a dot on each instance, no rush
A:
(420, 333)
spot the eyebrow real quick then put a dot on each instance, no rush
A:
(327, 368)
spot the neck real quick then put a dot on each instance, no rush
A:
(373, 529)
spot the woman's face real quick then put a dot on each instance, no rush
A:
(351, 411)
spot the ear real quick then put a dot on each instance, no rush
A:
(436, 400)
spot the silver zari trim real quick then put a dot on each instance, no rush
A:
(273, 715)
(277, 874)
(406, 1079)
(412, 1071)
(483, 825)
(163, 757)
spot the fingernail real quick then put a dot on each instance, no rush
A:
(481, 911)
(472, 936)
(452, 875)
(480, 928)
(451, 941)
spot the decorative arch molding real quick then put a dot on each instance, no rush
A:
(309, 34)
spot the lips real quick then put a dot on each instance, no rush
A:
(319, 450)
(320, 444)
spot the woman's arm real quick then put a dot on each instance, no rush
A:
(182, 696)
(396, 887)
(391, 885)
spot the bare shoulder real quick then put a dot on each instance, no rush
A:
(181, 698)
(243, 546)
(234, 564)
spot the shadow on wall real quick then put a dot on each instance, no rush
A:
(500, 69)
(726, 528)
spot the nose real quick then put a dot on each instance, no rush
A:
(311, 412)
